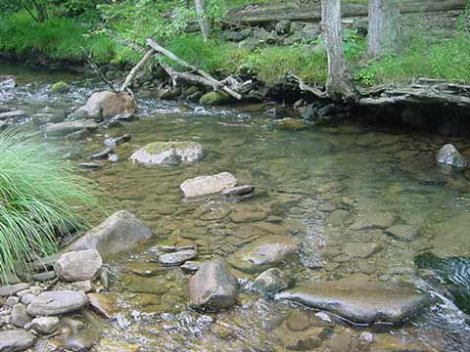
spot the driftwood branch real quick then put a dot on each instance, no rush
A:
(94, 66)
(209, 80)
(306, 88)
(132, 74)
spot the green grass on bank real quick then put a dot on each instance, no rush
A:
(425, 55)
(38, 193)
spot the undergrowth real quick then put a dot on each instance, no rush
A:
(39, 194)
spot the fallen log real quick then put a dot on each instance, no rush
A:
(262, 14)
(208, 79)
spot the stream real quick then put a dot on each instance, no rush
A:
(338, 189)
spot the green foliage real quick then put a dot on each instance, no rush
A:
(271, 63)
(446, 58)
(38, 198)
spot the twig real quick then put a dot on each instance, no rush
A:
(97, 70)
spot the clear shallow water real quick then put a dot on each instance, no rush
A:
(316, 185)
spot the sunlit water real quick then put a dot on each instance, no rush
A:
(313, 184)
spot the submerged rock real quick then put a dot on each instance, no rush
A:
(168, 153)
(206, 185)
(15, 340)
(290, 124)
(404, 232)
(213, 287)
(106, 105)
(79, 265)
(177, 258)
(271, 281)
(57, 302)
(361, 302)
(449, 155)
(67, 127)
(264, 253)
(121, 232)
(10, 290)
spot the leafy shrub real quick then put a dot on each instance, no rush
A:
(38, 198)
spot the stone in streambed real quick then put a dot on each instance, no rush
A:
(404, 232)
(59, 87)
(360, 302)
(10, 290)
(177, 258)
(45, 325)
(168, 153)
(449, 155)
(271, 281)
(206, 185)
(104, 304)
(112, 142)
(213, 287)
(121, 232)
(101, 155)
(106, 105)
(239, 191)
(79, 265)
(264, 253)
(57, 302)
(67, 127)
(15, 340)
(20, 316)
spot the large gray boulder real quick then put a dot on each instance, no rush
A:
(449, 155)
(360, 302)
(206, 185)
(267, 252)
(57, 302)
(168, 153)
(106, 105)
(15, 340)
(79, 265)
(213, 287)
(120, 232)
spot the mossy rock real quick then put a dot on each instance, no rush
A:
(215, 98)
(59, 87)
(168, 153)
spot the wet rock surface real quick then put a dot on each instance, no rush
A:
(267, 252)
(57, 302)
(79, 265)
(177, 258)
(120, 232)
(206, 185)
(168, 153)
(271, 281)
(360, 302)
(213, 287)
(15, 340)
(449, 155)
(106, 105)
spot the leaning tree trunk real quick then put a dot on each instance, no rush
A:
(384, 27)
(339, 85)
(203, 22)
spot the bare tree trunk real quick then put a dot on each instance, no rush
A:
(384, 26)
(339, 85)
(203, 22)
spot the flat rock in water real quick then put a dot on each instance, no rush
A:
(105, 304)
(206, 185)
(13, 114)
(373, 220)
(112, 142)
(239, 190)
(67, 127)
(360, 302)
(404, 232)
(213, 287)
(10, 290)
(57, 302)
(168, 153)
(15, 340)
(101, 155)
(177, 258)
(361, 249)
(264, 253)
(79, 265)
(121, 232)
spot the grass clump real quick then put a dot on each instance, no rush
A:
(38, 198)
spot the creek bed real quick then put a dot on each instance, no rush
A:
(362, 202)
